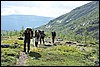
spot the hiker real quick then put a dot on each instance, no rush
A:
(36, 38)
(27, 35)
(53, 36)
(42, 35)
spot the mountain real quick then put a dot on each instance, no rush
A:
(81, 19)
(15, 22)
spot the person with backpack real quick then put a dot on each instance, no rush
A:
(36, 38)
(42, 37)
(28, 35)
(53, 36)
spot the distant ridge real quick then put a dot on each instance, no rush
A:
(15, 22)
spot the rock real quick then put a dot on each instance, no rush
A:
(54, 44)
(15, 43)
(59, 39)
(92, 43)
(49, 42)
(5, 46)
(70, 42)
(49, 53)
(48, 45)
(82, 45)
(14, 46)
(78, 41)
(20, 38)
(74, 43)
(58, 43)
(81, 49)
(97, 63)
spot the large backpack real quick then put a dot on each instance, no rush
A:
(53, 33)
(31, 34)
(42, 34)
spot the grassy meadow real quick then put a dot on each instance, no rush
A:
(60, 55)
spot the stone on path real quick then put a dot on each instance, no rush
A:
(23, 57)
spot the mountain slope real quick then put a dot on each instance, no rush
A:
(79, 20)
(11, 22)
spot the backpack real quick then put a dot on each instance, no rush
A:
(53, 33)
(31, 33)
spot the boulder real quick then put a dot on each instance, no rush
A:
(20, 38)
(97, 63)
(59, 39)
(5, 45)
(15, 43)
(55, 44)
(70, 42)
(82, 45)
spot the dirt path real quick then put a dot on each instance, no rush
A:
(22, 59)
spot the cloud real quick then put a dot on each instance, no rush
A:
(41, 8)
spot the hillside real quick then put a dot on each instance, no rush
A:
(81, 20)
(15, 22)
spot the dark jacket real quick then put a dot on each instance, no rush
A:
(27, 35)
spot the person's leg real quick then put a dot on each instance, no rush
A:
(24, 45)
(53, 39)
(43, 40)
(40, 40)
(28, 46)
(36, 44)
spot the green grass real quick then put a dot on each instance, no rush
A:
(12, 41)
(58, 56)
(10, 55)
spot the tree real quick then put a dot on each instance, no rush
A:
(7, 33)
(10, 33)
(22, 30)
(15, 32)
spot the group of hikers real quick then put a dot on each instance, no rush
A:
(38, 36)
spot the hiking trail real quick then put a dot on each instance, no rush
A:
(22, 59)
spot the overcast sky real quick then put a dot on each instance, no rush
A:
(40, 8)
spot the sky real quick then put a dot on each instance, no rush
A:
(40, 8)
